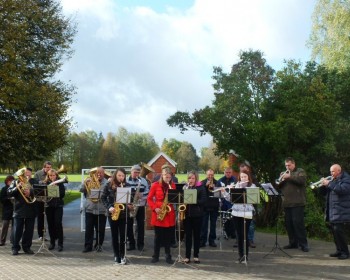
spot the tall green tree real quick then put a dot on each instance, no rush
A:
(330, 35)
(209, 159)
(186, 158)
(35, 38)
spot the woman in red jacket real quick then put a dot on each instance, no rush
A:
(162, 225)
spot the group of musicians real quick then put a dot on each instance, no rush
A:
(194, 217)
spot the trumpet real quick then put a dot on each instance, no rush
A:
(319, 183)
(280, 179)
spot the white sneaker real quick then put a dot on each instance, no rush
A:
(123, 261)
(40, 239)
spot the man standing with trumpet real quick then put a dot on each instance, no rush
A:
(292, 184)
(337, 191)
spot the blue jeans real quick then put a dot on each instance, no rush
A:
(213, 216)
(251, 231)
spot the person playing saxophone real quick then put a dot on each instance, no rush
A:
(117, 220)
(140, 190)
(163, 222)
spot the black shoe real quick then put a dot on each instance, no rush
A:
(60, 248)
(154, 260)
(131, 247)
(174, 245)
(98, 248)
(252, 244)
(235, 245)
(202, 244)
(117, 260)
(2, 244)
(289, 246)
(87, 249)
(14, 252)
(28, 252)
(335, 255)
(140, 247)
(169, 260)
(305, 249)
(212, 244)
(52, 246)
(343, 256)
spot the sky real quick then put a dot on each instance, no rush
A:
(136, 63)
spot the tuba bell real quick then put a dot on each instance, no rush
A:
(23, 184)
(92, 183)
(62, 170)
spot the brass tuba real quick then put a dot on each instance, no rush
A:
(92, 183)
(23, 184)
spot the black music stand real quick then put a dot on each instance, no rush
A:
(274, 194)
(41, 194)
(176, 197)
(123, 196)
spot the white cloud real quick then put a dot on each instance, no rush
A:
(134, 67)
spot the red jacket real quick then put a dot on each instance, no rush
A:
(155, 200)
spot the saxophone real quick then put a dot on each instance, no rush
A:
(164, 209)
(136, 201)
(117, 208)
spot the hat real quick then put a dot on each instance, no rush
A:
(136, 167)
(29, 169)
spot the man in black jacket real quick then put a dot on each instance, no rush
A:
(338, 208)
(24, 214)
(7, 211)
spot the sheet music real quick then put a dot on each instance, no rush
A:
(269, 189)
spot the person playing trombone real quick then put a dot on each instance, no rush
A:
(292, 184)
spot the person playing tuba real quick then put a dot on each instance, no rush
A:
(95, 211)
(24, 210)
(163, 214)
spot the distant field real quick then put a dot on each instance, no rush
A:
(77, 177)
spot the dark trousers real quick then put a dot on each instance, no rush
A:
(54, 217)
(4, 230)
(211, 216)
(97, 223)
(140, 223)
(340, 238)
(40, 218)
(193, 226)
(162, 236)
(118, 236)
(27, 235)
(242, 235)
(295, 226)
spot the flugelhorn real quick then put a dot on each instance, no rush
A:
(319, 183)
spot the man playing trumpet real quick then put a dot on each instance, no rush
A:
(293, 187)
(337, 193)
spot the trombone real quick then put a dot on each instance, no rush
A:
(319, 183)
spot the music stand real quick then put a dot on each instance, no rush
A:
(123, 196)
(272, 192)
(41, 192)
(177, 197)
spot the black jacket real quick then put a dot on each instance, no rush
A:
(7, 205)
(108, 199)
(197, 210)
(338, 199)
(22, 208)
(212, 203)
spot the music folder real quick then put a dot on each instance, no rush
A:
(95, 193)
(250, 195)
(190, 196)
(123, 195)
(53, 191)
